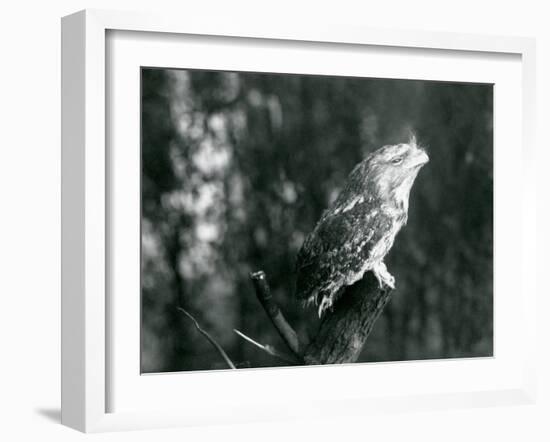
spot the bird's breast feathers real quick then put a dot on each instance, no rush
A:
(350, 238)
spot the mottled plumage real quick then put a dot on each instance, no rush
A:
(357, 231)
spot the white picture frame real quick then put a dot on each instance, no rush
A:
(86, 351)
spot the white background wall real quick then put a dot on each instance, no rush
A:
(30, 217)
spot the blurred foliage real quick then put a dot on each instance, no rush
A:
(238, 167)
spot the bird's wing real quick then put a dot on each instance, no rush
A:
(338, 247)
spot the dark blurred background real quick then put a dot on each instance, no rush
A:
(238, 167)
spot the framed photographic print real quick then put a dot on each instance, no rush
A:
(271, 221)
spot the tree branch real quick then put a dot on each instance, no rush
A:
(343, 330)
(263, 294)
(210, 339)
(267, 348)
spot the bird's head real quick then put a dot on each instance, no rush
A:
(391, 170)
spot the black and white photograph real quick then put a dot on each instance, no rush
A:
(298, 219)
(244, 221)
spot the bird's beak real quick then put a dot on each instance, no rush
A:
(420, 157)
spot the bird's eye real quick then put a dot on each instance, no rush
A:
(397, 160)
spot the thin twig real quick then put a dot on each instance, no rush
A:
(210, 339)
(267, 348)
(263, 294)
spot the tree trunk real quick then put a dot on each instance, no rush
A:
(344, 330)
